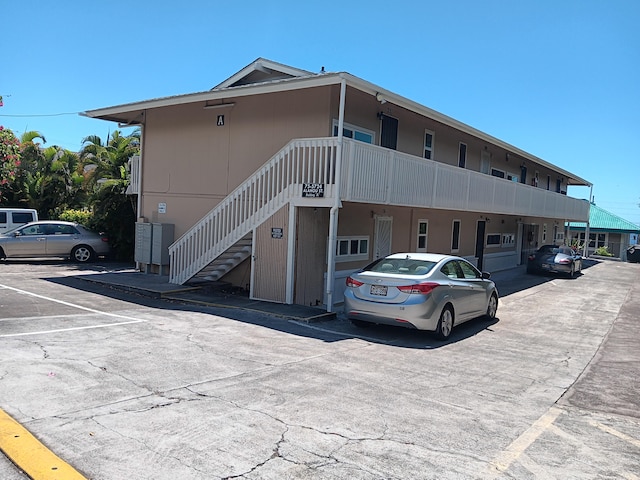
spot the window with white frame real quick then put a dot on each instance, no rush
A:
(455, 236)
(428, 144)
(423, 229)
(497, 173)
(355, 132)
(544, 233)
(513, 177)
(462, 155)
(508, 240)
(494, 240)
(596, 240)
(349, 249)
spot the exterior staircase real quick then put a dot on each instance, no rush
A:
(221, 240)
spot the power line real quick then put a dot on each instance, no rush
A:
(42, 115)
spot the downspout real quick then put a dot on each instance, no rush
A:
(139, 199)
(333, 213)
(585, 252)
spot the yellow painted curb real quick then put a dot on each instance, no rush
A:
(30, 455)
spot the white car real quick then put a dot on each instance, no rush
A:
(420, 290)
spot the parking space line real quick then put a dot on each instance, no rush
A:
(616, 433)
(71, 329)
(30, 455)
(504, 460)
(129, 320)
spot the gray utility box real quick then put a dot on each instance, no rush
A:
(162, 237)
(142, 251)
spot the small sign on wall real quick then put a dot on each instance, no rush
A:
(313, 190)
(220, 121)
(277, 233)
(162, 207)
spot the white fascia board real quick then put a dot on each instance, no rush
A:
(113, 113)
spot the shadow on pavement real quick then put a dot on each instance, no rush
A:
(122, 282)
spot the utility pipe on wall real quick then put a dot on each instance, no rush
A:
(333, 214)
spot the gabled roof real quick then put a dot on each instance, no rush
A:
(601, 220)
(264, 76)
(260, 71)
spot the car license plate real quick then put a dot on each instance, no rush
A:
(379, 290)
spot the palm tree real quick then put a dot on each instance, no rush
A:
(106, 180)
(107, 162)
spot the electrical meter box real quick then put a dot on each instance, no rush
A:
(162, 237)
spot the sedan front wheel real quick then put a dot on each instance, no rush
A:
(492, 308)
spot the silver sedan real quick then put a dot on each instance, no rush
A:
(53, 239)
(420, 290)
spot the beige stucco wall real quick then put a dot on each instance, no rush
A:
(190, 163)
(359, 219)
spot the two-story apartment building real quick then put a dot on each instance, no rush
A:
(283, 181)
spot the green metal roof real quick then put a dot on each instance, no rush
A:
(601, 220)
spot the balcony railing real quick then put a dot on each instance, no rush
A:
(372, 174)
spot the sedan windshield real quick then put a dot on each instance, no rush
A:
(404, 266)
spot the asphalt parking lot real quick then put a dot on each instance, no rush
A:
(121, 385)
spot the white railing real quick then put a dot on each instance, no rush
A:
(372, 174)
(369, 174)
(300, 162)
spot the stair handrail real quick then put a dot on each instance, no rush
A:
(310, 160)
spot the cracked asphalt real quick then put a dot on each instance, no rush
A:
(122, 386)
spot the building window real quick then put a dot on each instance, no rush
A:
(513, 177)
(423, 229)
(497, 173)
(596, 240)
(544, 233)
(494, 240)
(352, 131)
(428, 144)
(349, 249)
(462, 155)
(508, 240)
(455, 236)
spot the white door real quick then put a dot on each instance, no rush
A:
(382, 241)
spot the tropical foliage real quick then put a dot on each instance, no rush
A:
(9, 161)
(88, 187)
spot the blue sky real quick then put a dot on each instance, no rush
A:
(557, 78)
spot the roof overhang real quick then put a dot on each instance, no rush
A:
(134, 113)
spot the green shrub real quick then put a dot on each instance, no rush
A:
(603, 252)
(83, 217)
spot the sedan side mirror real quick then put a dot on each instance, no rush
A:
(486, 275)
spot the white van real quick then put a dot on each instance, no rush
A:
(11, 218)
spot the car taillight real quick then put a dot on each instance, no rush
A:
(532, 257)
(422, 288)
(564, 260)
(353, 283)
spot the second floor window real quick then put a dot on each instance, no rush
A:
(428, 144)
(423, 229)
(355, 132)
(462, 155)
(455, 236)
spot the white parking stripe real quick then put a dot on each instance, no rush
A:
(130, 321)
